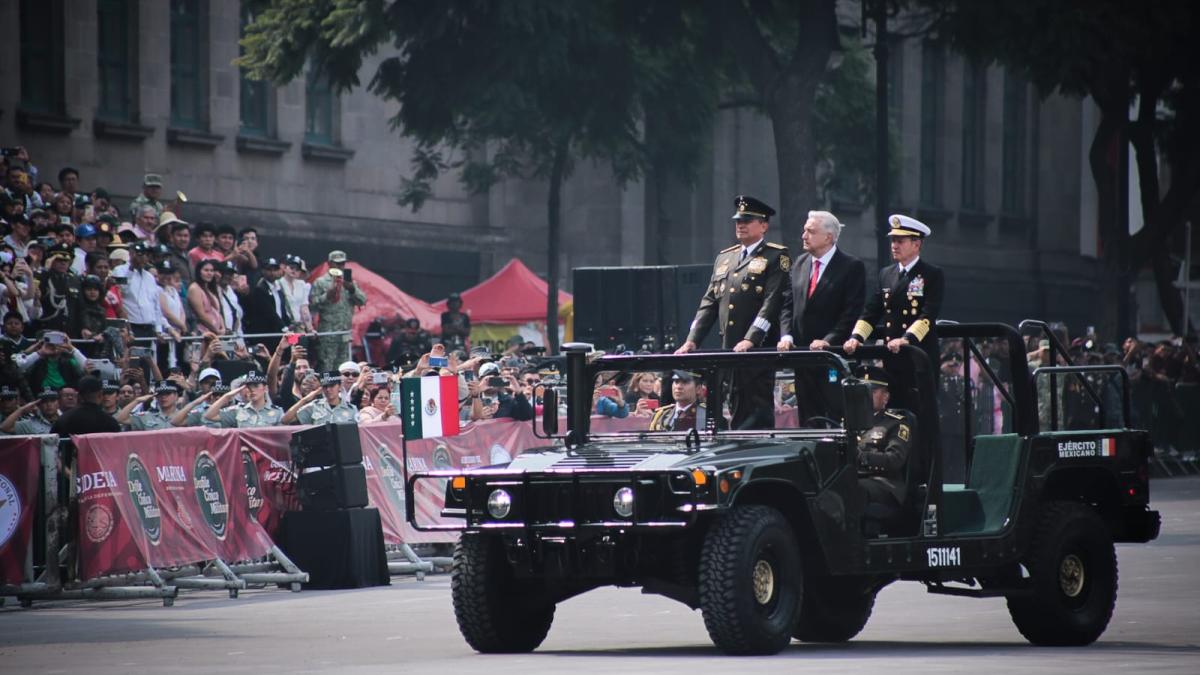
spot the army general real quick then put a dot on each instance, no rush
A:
(744, 298)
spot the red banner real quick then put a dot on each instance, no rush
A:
(19, 464)
(162, 499)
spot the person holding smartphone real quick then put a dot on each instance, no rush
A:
(505, 394)
(334, 297)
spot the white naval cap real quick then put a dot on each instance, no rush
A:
(903, 226)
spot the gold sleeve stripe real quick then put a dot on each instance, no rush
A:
(920, 329)
(863, 328)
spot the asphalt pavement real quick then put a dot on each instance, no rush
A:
(409, 628)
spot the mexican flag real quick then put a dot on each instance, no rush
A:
(429, 406)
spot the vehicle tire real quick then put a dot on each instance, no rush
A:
(833, 612)
(496, 613)
(1073, 574)
(751, 581)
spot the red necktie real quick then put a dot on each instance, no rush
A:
(816, 274)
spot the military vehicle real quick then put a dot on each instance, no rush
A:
(765, 531)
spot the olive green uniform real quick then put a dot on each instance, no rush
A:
(336, 311)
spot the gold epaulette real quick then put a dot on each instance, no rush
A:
(893, 413)
(731, 248)
(771, 244)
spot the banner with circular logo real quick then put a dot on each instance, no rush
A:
(141, 496)
(210, 494)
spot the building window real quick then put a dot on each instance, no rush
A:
(933, 75)
(320, 103)
(973, 126)
(42, 56)
(256, 96)
(1014, 163)
(189, 70)
(116, 61)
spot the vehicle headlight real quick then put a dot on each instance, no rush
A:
(499, 503)
(623, 502)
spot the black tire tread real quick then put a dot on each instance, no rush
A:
(718, 571)
(488, 625)
(1034, 618)
(833, 614)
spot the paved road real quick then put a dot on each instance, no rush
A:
(409, 627)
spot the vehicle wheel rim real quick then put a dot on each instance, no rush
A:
(1071, 576)
(764, 582)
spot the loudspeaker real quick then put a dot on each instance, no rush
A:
(338, 487)
(326, 445)
(588, 283)
(639, 307)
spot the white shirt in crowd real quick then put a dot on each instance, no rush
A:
(141, 298)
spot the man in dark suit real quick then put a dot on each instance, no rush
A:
(821, 302)
(743, 299)
(268, 309)
(908, 300)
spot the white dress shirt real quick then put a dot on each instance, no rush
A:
(824, 260)
(141, 298)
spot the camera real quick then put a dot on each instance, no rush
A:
(55, 338)
(379, 378)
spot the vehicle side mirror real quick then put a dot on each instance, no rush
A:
(856, 397)
(550, 412)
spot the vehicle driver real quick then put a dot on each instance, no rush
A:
(688, 410)
(883, 450)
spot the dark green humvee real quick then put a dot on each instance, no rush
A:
(765, 532)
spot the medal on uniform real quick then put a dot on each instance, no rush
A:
(784, 263)
(757, 266)
(745, 287)
(917, 286)
(722, 269)
(758, 289)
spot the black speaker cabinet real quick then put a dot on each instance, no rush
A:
(338, 487)
(326, 445)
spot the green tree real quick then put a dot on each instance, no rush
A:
(520, 88)
(1125, 55)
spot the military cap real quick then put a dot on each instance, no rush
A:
(749, 207)
(92, 281)
(873, 375)
(166, 387)
(60, 251)
(254, 377)
(903, 226)
(110, 386)
(331, 377)
(337, 256)
(219, 389)
(48, 395)
(152, 180)
(685, 376)
(270, 263)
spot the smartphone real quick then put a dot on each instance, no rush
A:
(469, 375)
(141, 352)
(348, 275)
(487, 400)
(379, 378)
(116, 323)
(610, 392)
(55, 338)
(293, 338)
(439, 361)
(497, 382)
(652, 403)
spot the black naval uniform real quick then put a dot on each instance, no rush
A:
(906, 305)
(744, 299)
(883, 454)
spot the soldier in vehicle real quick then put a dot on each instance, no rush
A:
(688, 411)
(258, 411)
(744, 299)
(883, 450)
(322, 405)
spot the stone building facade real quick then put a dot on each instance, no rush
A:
(117, 88)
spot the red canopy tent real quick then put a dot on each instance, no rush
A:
(384, 301)
(514, 295)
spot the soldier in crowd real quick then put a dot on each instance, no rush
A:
(323, 405)
(108, 396)
(167, 394)
(883, 450)
(456, 324)
(688, 411)
(33, 418)
(908, 299)
(411, 340)
(257, 411)
(151, 191)
(744, 299)
(334, 297)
